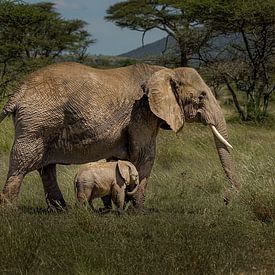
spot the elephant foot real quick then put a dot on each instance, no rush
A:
(52, 209)
(3, 199)
(6, 203)
(57, 206)
(120, 212)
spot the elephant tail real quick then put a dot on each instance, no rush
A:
(12, 103)
(8, 109)
(11, 106)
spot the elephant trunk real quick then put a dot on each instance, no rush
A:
(223, 151)
(133, 192)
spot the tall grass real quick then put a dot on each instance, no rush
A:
(193, 232)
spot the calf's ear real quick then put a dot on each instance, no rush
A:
(123, 169)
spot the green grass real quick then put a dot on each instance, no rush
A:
(193, 232)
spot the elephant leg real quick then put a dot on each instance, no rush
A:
(53, 194)
(118, 197)
(138, 198)
(11, 189)
(83, 193)
(107, 202)
(24, 158)
(144, 170)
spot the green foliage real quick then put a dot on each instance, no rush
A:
(172, 17)
(233, 15)
(193, 232)
(33, 35)
(100, 61)
(245, 66)
(249, 65)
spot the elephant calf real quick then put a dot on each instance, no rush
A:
(106, 179)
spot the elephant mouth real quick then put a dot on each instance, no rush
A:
(193, 114)
(201, 118)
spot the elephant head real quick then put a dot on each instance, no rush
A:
(129, 174)
(180, 95)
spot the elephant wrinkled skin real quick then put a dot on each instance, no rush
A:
(68, 113)
(113, 179)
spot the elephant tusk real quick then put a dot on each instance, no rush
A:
(220, 137)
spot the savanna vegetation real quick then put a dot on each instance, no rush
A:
(191, 230)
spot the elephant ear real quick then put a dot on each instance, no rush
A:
(123, 169)
(162, 94)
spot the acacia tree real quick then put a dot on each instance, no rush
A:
(33, 35)
(246, 66)
(170, 16)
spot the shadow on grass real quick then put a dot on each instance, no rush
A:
(41, 210)
(33, 210)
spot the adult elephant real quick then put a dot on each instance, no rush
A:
(68, 113)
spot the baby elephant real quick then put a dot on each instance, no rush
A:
(99, 179)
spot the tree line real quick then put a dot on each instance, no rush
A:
(245, 66)
(33, 35)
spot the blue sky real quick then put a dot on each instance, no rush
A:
(111, 40)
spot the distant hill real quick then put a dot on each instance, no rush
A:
(153, 49)
(218, 45)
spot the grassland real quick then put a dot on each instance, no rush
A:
(193, 232)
